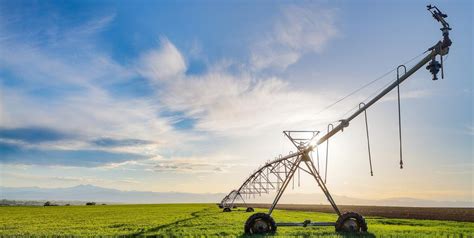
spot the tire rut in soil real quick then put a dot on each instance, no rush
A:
(194, 215)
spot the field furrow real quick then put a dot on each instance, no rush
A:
(191, 220)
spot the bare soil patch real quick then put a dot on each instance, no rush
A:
(429, 213)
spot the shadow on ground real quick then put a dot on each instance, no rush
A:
(327, 234)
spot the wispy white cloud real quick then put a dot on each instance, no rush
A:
(163, 63)
(189, 165)
(298, 31)
(240, 104)
(223, 101)
(211, 163)
(93, 26)
(71, 179)
(67, 57)
(75, 96)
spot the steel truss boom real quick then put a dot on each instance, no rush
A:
(267, 178)
(277, 174)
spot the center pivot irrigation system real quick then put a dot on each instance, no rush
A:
(277, 174)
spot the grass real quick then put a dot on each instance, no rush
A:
(191, 220)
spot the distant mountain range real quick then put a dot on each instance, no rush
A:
(106, 195)
(99, 194)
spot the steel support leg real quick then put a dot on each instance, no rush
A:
(320, 182)
(233, 200)
(243, 200)
(285, 183)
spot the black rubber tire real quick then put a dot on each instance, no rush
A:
(227, 209)
(249, 209)
(260, 223)
(351, 222)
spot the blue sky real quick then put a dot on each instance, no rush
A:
(193, 95)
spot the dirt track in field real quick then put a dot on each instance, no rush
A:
(429, 213)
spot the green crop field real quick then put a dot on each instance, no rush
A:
(181, 220)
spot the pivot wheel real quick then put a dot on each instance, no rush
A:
(260, 223)
(249, 209)
(351, 222)
(227, 209)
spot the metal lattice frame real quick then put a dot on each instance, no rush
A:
(277, 174)
(267, 178)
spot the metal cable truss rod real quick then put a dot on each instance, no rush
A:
(441, 48)
(280, 169)
(300, 142)
(228, 201)
(225, 199)
(365, 86)
(267, 178)
(345, 122)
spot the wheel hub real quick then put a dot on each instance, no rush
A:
(350, 225)
(260, 226)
